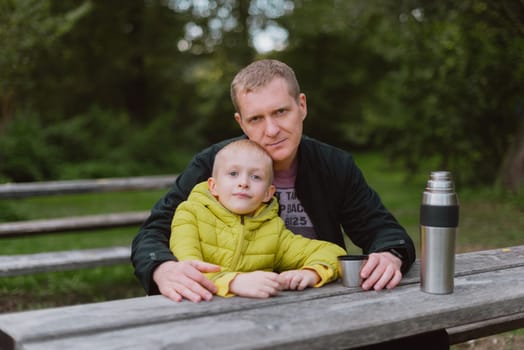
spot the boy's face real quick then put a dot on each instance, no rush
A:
(242, 183)
(273, 118)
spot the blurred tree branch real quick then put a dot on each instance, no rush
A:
(27, 27)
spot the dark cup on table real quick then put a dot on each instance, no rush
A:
(349, 267)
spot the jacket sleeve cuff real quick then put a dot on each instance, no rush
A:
(325, 272)
(222, 283)
(402, 254)
(155, 260)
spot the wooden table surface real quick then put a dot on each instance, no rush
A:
(488, 285)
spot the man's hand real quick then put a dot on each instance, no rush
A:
(256, 284)
(298, 279)
(381, 270)
(177, 280)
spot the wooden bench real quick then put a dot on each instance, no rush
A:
(488, 299)
(19, 264)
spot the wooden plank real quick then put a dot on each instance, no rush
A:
(13, 265)
(88, 222)
(343, 321)
(45, 188)
(489, 260)
(485, 328)
(500, 258)
(494, 288)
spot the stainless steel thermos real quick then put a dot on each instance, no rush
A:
(439, 217)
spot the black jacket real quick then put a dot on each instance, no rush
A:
(330, 187)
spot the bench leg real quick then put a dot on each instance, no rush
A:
(436, 340)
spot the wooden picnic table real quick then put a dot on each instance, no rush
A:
(488, 298)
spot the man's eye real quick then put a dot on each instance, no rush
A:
(254, 119)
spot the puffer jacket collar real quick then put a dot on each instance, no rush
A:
(201, 194)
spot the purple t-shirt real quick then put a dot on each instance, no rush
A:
(291, 210)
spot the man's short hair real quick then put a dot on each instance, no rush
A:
(259, 74)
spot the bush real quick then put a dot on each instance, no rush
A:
(25, 154)
(96, 144)
(88, 145)
(166, 145)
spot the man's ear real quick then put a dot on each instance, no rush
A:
(238, 118)
(302, 103)
(211, 185)
(269, 193)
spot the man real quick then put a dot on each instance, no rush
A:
(322, 192)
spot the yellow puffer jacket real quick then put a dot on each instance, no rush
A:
(202, 229)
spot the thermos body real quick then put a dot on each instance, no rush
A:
(439, 216)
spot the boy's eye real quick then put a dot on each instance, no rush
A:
(256, 177)
(233, 173)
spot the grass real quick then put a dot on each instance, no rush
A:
(68, 288)
(488, 219)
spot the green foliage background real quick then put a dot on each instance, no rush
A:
(93, 88)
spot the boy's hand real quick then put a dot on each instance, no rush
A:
(298, 279)
(257, 284)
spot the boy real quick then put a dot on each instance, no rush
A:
(233, 221)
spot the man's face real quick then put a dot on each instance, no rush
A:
(271, 117)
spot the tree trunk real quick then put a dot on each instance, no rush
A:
(7, 107)
(135, 88)
(512, 172)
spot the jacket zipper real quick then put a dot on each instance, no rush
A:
(238, 249)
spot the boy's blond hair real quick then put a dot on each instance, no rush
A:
(243, 145)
